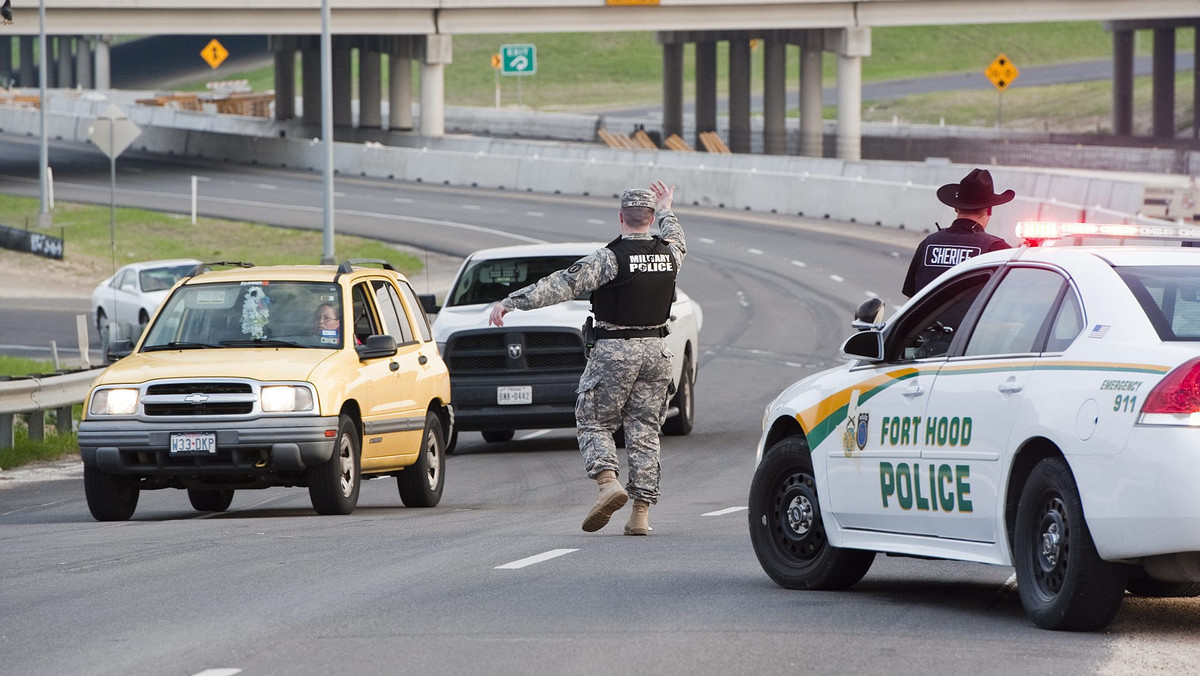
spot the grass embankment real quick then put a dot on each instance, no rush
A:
(593, 71)
(145, 235)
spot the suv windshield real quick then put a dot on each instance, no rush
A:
(1170, 296)
(248, 314)
(487, 281)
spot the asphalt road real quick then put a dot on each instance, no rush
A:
(498, 578)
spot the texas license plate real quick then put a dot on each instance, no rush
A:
(514, 394)
(194, 443)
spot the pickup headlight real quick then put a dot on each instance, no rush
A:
(114, 402)
(286, 399)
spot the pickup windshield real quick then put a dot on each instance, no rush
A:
(249, 314)
(487, 281)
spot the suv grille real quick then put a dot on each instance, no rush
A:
(545, 350)
(221, 398)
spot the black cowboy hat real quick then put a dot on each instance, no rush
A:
(973, 192)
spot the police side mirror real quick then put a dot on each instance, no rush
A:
(376, 347)
(869, 315)
(429, 303)
(867, 345)
(118, 349)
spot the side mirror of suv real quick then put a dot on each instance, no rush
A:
(376, 347)
(118, 349)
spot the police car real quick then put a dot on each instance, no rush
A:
(1036, 407)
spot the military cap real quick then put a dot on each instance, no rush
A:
(638, 197)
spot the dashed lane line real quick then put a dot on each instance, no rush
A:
(727, 510)
(537, 558)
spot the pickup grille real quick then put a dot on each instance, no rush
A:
(545, 350)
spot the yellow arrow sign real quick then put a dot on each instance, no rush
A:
(1002, 72)
(214, 53)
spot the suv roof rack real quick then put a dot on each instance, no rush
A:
(348, 265)
(205, 267)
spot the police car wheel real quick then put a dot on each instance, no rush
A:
(1142, 585)
(333, 485)
(1063, 583)
(786, 528)
(684, 402)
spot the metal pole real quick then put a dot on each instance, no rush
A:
(43, 147)
(327, 257)
(112, 198)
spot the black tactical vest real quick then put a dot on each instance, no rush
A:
(642, 291)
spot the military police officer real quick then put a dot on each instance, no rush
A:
(972, 199)
(628, 373)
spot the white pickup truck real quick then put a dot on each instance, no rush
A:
(524, 375)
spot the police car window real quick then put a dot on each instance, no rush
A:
(1016, 313)
(394, 317)
(1170, 297)
(929, 329)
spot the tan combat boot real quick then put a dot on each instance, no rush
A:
(639, 521)
(611, 498)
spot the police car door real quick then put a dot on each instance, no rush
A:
(975, 401)
(871, 473)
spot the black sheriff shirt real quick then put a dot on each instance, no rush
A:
(944, 249)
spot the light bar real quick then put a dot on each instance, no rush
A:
(1037, 231)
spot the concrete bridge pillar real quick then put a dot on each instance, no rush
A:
(28, 77)
(343, 82)
(83, 62)
(775, 95)
(1123, 82)
(1163, 83)
(310, 76)
(101, 63)
(706, 87)
(851, 45)
(284, 48)
(370, 95)
(672, 56)
(65, 60)
(739, 94)
(6, 61)
(438, 53)
(400, 115)
(812, 131)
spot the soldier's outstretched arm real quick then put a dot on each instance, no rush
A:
(586, 274)
(669, 228)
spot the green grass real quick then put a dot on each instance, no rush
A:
(598, 70)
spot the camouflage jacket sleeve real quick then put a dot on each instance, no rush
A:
(671, 232)
(585, 275)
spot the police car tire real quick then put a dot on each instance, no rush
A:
(1073, 589)
(497, 436)
(110, 497)
(684, 402)
(1141, 585)
(783, 488)
(421, 483)
(333, 485)
(209, 500)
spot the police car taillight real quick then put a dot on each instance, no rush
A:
(1035, 233)
(1175, 400)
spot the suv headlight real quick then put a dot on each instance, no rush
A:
(286, 399)
(114, 402)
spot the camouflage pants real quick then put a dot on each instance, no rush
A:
(625, 383)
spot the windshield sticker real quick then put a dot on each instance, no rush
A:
(211, 296)
(329, 336)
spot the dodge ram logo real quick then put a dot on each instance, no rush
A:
(514, 350)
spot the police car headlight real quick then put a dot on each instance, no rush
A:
(114, 402)
(285, 399)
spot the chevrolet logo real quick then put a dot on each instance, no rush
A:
(196, 398)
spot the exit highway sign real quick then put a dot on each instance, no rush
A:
(1002, 72)
(518, 59)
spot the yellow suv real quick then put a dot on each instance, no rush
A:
(252, 377)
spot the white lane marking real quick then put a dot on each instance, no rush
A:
(800, 264)
(218, 672)
(742, 299)
(596, 221)
(705, 240)
(871, 294)
(265, 186)
(530, 560)
(837, 278)
(535, 435)
(756, 252)
(473, 207)
(434, 221)
(723, 512)
(535, 214)
(402, 200)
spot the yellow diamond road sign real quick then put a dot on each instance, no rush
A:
(214, 53)
(1002, 72)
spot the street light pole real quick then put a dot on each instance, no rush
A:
(43, 147)
(327, 130)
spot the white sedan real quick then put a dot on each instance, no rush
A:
(1037, 408)
(136, 290)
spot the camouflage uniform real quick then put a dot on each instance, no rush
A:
(626, 379)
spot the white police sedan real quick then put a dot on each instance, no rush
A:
(1037, 407)
(134, 292)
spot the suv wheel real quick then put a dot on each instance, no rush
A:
(497, 436)
(109, 497)
(333, 486)
(421, 483)
(209, 500)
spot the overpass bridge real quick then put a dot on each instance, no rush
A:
(422, 31)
